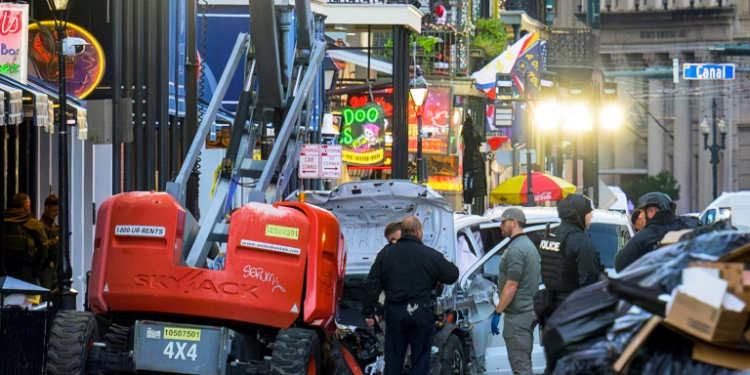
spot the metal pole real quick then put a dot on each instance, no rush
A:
(529, 188)
(64, 297)
(714, 150)
(400, 101)
(420, 168)
(117, 97)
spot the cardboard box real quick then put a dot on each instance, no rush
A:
(736, 359)
(733, 273)
(704, 321)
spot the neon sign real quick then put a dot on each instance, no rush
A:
(13, 49)
(362, 134)
(84, 72)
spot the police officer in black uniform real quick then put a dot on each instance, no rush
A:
(569, 258)
(660, 219)
(408, 272)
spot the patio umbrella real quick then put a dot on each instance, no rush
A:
(546, 188)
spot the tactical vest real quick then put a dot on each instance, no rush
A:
(559, 270)
(18, 245)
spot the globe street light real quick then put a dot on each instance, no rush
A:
(63, 297)
(717, 126)
(418, 95)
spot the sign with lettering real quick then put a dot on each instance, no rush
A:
(708, 71)
(330, 161)
(362, 134)
(140, 231)
(436, 123)
(83, 72)
(309, 162)
(14, 40)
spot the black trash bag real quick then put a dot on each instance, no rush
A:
(584, 315)
(646, 298)
(661, 269)
(595, 361)
(668, 353)
(593, 316)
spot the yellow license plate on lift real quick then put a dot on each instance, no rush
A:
(185, 334)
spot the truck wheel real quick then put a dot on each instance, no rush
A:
(116, 338)
(71, 338)
(296, 352)
(452, 357)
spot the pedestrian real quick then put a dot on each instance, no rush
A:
(659, 210)
(518, 283)
(392, 232)
(47, 274)
(638, 218)
(24, 243)
(408, 272)
(569, 262)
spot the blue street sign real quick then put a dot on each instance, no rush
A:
(708, 71)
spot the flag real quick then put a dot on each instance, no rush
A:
(505, 63)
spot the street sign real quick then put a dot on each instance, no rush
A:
(708, 71)
(503, 116)
(309, 162)
(330, 162)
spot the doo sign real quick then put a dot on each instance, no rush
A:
(708, 71)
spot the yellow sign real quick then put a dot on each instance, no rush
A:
(365, 158)
(445, 186)
(185, 334)
(282, 232)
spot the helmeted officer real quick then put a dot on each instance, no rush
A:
(660, 219)
(569, 259)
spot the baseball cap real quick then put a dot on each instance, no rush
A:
(513, 213)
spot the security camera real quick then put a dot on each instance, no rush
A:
(73, 46)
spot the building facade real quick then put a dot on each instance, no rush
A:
(642, 43)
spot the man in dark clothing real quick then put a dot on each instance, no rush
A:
(408, 271)
(569, 260)
(660, 219)
(24, 243)
(47, 274)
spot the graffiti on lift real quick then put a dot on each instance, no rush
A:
(258, 273)
(10, 23)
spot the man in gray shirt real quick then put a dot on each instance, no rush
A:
(518, 282)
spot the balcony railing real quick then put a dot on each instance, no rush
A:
(442, 58)
(371, 1)
(534, 8)
(571, 47)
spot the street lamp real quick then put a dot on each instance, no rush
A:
(63, 297)
(418, 95)
(717, 125)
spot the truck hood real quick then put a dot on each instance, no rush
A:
(365, 208)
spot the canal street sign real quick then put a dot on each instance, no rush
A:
(708, 71)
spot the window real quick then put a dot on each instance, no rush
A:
(487, 237)
(709, 217)
(608, 239)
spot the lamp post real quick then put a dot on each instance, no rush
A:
(63, 297)
(716, 124)
(418, 95)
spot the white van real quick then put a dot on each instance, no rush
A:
(729, 205)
